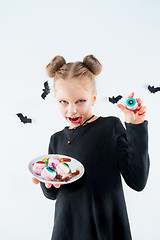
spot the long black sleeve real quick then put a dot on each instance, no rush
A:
(50, 193)
(133, 156)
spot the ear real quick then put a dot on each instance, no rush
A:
(94, 99)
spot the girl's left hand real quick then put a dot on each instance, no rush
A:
(136, 116)
(48, 185)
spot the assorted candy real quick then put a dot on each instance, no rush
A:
(54, 169)
(39, 166)
(48, 173)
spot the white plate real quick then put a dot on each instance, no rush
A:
(73, 164)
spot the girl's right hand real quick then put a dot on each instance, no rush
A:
(47, 185)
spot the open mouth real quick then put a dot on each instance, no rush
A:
(75, 120)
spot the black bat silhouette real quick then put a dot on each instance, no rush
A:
(153, 89)
(24, 119)
(46, 90)
(115, 99)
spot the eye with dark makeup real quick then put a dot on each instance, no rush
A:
(81, 101)
(63, 102)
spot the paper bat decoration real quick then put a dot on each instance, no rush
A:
(24, 119)
(153, 89)
(115, 99)
(46, 90)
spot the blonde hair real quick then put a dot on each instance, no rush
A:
(86, 70)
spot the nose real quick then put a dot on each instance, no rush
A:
(72, 110)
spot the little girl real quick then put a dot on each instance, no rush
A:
(93, 207)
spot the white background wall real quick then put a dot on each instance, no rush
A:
(125, 37)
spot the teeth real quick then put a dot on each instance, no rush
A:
(74, 119)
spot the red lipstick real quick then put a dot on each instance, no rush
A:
(75, 120)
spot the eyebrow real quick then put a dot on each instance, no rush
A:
(77, 99)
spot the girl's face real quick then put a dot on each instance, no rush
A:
(75, 100)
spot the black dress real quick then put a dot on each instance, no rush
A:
(93, 207)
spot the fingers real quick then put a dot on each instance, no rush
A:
(57, 185)
(139, 101)
(131, 95)
(141, 108)
(48, 185)
(142, 111)
(35, 181)
(123, 108)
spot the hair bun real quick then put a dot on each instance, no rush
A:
(92, 64)
(56, 63)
